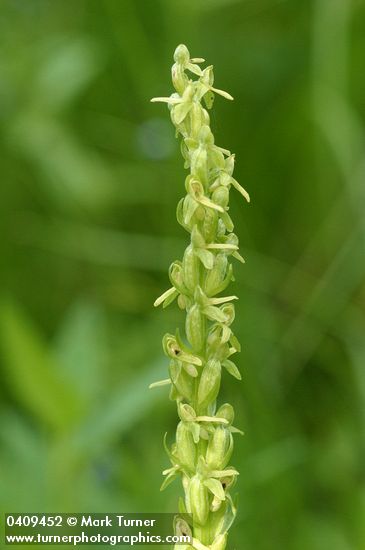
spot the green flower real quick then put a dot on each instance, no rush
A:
(204, 437)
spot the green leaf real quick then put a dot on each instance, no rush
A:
(33, 374)
(124, 407)
(81, 348)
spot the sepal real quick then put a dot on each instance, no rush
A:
(199, 500)
(209, 383)
(219, 449)
(185, 446)
(232, 369)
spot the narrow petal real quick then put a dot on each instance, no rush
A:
(223, 246)
(222, 93)
(160, 383)
(169, 479)
(163, 296)
(194, 69)
(239, 188)
(207, 202)
(166, 100)
(223, 300)
(224, 151)
(224, 473)
(235, 430)
(238, 256)
(212, 419)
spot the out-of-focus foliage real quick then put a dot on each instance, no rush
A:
(90, 176)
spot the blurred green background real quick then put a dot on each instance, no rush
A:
(90, 177)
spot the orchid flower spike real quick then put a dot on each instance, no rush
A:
(203, 443)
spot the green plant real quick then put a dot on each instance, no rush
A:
(204, 441)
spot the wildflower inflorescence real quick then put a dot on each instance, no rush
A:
(204, 440)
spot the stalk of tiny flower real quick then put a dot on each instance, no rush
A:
(204, 440)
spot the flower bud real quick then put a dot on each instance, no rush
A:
(219, 449)
(226, 411)
(185, 446)
(216, 275)
(209, 383)
(199, 500)
(195, 328)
